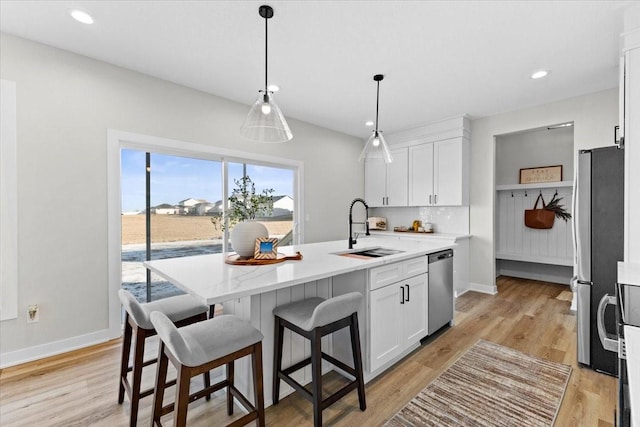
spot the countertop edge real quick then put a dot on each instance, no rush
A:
(164, 267)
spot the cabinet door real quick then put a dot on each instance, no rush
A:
(414, 309)
(386, 325)
(375, 182)
(421, 175)
(397, 177)
(449, 186)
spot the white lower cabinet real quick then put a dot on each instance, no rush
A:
(414, 326)
(398, 313)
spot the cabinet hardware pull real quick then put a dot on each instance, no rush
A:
(407, 292)
(402, 287)
(435, 199)
(429, 198)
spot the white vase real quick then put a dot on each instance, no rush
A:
(243, 237)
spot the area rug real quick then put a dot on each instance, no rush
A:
(490, 385)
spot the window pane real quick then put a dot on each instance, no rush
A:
(133, 222)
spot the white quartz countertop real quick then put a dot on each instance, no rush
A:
(211, 279)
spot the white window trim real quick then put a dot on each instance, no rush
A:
(8, 202)
(117, 140)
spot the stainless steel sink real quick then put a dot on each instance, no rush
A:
(375, 252)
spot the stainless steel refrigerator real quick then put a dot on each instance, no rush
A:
(599, 239)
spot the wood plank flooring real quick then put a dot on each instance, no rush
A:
(81, 388)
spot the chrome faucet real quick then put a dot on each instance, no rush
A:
(353, 241)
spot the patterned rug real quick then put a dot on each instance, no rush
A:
(490, 385)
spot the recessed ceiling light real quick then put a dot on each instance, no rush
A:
(273, 88)
(81, 16)
(369, 123)
(539, 74)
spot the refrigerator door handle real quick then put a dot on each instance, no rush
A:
(609, 341)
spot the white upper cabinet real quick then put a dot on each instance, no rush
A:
(430, 167)
(386, 185)
(421, 175)
(439, 173)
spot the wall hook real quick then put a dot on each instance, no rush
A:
(556, 193)
(525, 193)
(512, 194)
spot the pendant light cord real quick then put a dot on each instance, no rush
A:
(266, 53)
(377, 104)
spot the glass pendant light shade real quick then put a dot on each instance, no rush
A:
(265, 122)
(376, 148)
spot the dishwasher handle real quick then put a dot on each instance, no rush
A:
(439, 256)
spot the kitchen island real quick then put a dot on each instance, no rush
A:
(251, 292)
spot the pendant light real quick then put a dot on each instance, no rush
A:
(265, 122)
(376, 146)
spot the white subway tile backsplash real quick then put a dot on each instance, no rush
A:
(445, 219)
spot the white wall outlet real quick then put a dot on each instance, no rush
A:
(33, 313)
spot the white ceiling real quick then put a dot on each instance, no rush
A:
(440, 58)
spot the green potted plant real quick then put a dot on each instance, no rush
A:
(245, 205)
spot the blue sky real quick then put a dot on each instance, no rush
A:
(177, 178)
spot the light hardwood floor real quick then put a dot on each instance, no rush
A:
(80, 388)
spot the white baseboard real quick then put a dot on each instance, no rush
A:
(12, 358)
(485, 289)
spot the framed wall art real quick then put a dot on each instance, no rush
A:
(541, 174)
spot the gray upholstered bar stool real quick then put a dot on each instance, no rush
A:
(199, 348)
(314, 318)
(182, 310)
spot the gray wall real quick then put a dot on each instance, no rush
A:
(594, 117)
(65, 104)
(540, 147)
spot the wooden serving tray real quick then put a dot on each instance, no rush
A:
(236, 259)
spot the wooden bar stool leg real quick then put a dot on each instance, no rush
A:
(212, 311)
(138, 360)
(182, 396)
(258, 391)
(277, 360)
(357, 359)
(230, 379)
(124, 362)
(316, 376)
(161, 381)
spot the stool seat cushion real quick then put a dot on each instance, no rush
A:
(175, 308)
(311, 313)
(203, 342)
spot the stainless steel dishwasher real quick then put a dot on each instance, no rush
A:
(440, 300)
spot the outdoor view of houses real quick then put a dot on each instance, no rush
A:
(188, 226)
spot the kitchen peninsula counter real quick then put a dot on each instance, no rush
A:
(252, 292)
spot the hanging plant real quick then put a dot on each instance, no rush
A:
(555, 206)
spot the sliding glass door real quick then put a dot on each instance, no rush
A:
(172, 206)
